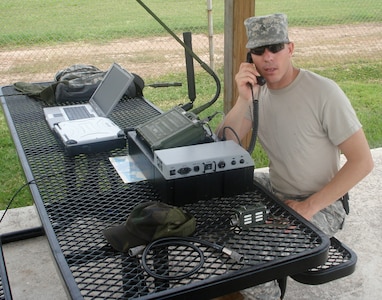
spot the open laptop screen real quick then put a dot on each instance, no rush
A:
(112, 87)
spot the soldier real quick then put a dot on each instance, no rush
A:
(305, 122)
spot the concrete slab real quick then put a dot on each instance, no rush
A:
(32, 273)
(363, 234)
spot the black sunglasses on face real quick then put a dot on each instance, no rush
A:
(273, 48)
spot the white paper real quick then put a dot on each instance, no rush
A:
(127, 169)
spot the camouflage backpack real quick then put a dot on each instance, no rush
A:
(73, 84)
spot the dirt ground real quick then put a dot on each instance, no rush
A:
(162, 55)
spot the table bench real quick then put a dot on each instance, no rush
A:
(5, 289)
(341, 262)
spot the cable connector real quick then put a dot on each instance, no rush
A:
(187, 106)
(136, 250)
(233, 254)
(209, 118)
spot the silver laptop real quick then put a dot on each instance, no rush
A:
(104, 99)
(89, 135)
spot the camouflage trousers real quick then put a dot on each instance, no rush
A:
(329, 220)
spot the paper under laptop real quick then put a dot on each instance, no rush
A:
(104, 99)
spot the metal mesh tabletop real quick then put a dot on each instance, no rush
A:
(77, 197)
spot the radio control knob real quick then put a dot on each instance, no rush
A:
(221, 164)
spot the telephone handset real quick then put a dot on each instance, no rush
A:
(260, 79)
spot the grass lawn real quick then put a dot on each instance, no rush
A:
(47, 21)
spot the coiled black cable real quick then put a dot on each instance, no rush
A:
(187, 242)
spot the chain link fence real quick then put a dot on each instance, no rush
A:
(38, 38)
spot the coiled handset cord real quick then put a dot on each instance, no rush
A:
(255, 122)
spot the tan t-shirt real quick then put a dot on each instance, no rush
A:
(300, 127)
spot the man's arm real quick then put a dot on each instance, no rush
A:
(359, 164)
(235, 125)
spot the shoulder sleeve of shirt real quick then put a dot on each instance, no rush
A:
(338, 116)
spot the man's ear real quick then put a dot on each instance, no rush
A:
(290, 46)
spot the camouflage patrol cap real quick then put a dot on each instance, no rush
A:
(266, 30)
(147, 222)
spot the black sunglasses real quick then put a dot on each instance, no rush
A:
(273, 48)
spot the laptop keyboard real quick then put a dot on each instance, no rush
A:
(78, 112)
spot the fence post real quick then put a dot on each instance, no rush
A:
(211, 34)
(235, 39)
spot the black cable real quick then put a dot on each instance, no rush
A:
(233, 131)
(255, 123)
(190, 52)
(172, 242)
(27, 184)
(209, 118)
(187, 242)
(14, 196)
